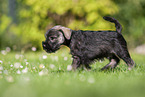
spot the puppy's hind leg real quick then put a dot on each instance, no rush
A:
(113, 63)
(124, 55)
(122, 52)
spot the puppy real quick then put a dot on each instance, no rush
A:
(86, 46)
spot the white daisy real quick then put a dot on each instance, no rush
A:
(17, 65)
(27, 79)
(41, 66)
(8, 49)
(3, 52)
(18, 72)
(25, 70)
(34, 49)
(91, 80)
(21, 66)
(69, 67)
(25, 60)
(44, 57)
(5, 72)
(1, 61)
(52, 66)
(33, 67)
(9, 79)
(56, 58)
(65, 58)
(41, 73)
(27, 63)
(11, 65)
(1, 68)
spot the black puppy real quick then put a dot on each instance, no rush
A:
(86, 46)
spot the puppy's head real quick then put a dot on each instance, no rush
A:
(55, 37)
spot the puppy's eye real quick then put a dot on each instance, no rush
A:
(52, 38)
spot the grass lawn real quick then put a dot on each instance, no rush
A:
(38, 74)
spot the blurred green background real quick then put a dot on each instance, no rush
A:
(23, 23)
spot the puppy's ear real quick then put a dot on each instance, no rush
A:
(67, 32)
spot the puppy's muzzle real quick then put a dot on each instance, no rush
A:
(46, 47)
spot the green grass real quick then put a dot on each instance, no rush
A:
(40, 77)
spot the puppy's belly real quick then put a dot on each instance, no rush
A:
(87, 54)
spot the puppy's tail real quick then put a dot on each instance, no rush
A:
(117, 24)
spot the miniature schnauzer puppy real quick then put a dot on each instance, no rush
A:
(86, 46)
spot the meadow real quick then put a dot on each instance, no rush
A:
(38, 74)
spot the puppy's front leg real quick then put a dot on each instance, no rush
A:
(76, 62)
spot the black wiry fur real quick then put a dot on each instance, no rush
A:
(117, 24)
(86, 46)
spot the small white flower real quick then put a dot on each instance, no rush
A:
(44, 57)
(69, 67)
(59, 68)
(1, 68)
(41, 73)
(18, 72)
(8, 49)
(21, 66)
(6, 72)
(17, 65)
(25, 70)
(1, 72)
(3, 52)
(1, 61)
(9, 79)
(25, 60)
(91, 80)
(65, 58)
(26, 78)
(34, 49)
(21, 56)
(52, 66)
(82, 78)
(27, 63)
(17, 56)
(33, 67)
(56, 58)
(41, 66)
(11, 65)
(100, 61)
